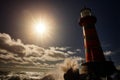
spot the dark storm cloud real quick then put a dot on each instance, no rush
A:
(15, 52)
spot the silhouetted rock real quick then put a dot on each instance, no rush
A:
(72, 74)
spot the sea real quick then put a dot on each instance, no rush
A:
(21, 75)
(55, 74)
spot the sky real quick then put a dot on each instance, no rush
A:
(21, 46)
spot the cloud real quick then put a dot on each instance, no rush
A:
(6, 43)
(107, 53)
(17, 53)
(113, 55)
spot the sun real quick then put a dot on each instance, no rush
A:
(40, 28)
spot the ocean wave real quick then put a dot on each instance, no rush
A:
(10, 75)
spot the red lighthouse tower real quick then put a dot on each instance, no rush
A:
(95, 60)
(93, 50)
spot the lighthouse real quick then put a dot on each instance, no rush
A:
(93, 50)
(95, 65)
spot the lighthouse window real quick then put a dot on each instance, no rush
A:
(85, 13)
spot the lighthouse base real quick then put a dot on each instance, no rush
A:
(100, 69)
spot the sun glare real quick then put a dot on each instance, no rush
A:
(40, 27)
